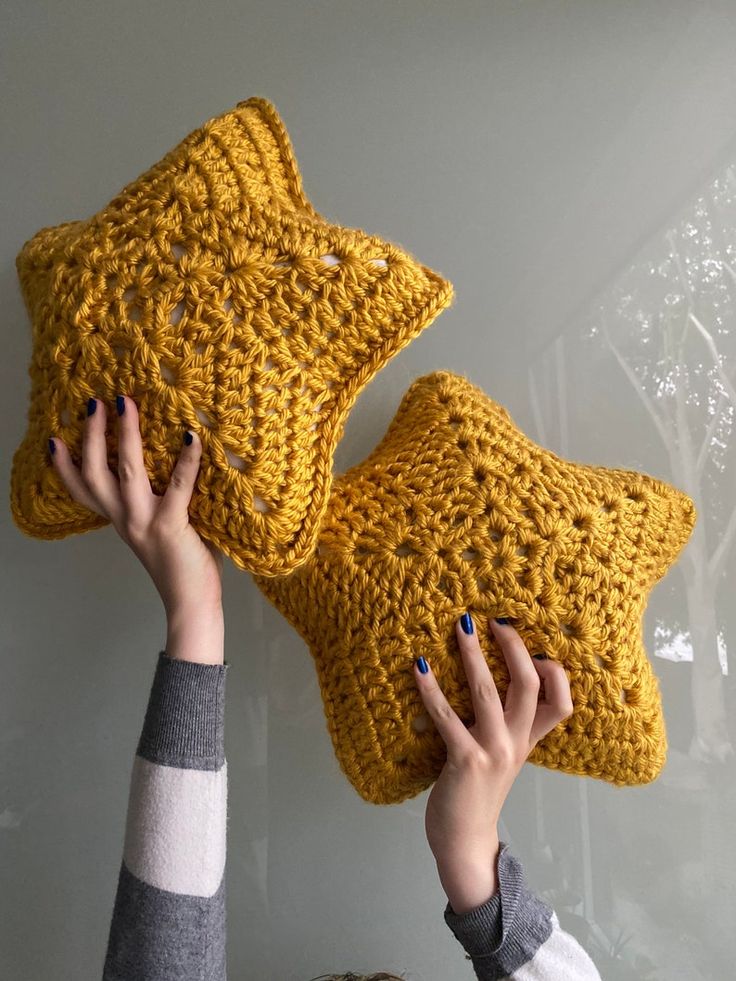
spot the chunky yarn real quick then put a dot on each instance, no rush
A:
(456, 509)
(211, 292)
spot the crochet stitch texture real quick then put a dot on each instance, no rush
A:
(454, 510)
(212, 292)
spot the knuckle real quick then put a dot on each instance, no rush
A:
(474, 758)
(127, 471)
(504, 754)
(484, 691)
(530, 679)
(165, 524)
(89, 472)
(443, 710)
(134, 529)
(178, 479)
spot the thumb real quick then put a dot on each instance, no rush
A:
(175, 501)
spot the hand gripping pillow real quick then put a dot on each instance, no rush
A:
(211, 292)
(456, 510)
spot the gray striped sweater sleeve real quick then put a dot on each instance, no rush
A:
(515, 934)
(168, 920)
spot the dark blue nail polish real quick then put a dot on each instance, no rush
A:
(502, 620)
(188, 438)
(540, 657)
(52, 447)
(466, 622)
(120, 402)
(423, 666)
(91, 406)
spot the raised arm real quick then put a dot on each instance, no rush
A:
(168, 921)
(506, 929)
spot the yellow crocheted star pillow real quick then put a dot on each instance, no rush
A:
(212, 292)
(456, 509)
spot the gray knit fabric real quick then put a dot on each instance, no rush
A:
(507, 930)
(175, 835)
(156, 934)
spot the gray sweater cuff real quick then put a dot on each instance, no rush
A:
(508, 929)
(185, 717)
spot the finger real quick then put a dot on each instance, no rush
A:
(174, 504)
(487, 705)
(446, 720)
(95, 471)
(523, 691)
(556, 704)
(64, 465)
(135, 487)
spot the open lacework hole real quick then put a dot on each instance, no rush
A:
(420, 723)
(605, 509)
(522, 550)
(330, 259)
(404, 549)
(178, 251)
(177, 313)
(260, 505)
(167, 374)
(205, 419)
(65, 417)
(134, 311)
(238, 462)
(470, 555)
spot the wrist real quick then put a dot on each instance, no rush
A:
(196, 632)
(468, 882)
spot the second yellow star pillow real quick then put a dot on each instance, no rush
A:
(456, 509)
(212, 292)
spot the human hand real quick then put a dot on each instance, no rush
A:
(186, 570)
(484, 759)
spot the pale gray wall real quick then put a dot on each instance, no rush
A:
(537, 154)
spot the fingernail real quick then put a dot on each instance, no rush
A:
(91, 406)
(423, 666)
(540, 657)
(502, 620)
(466, 622)
(52, 447)
(188, 438)
(120, 402)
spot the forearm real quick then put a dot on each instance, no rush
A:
(469, 881)
(169, 916)
(514, 933)
(196, 634)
